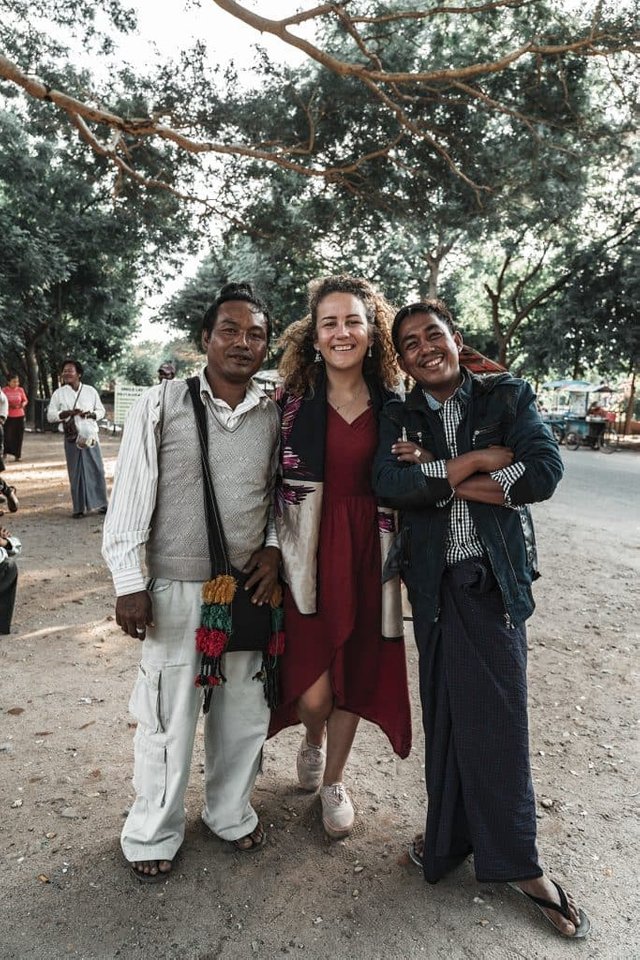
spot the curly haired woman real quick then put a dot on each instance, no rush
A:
(344, 656)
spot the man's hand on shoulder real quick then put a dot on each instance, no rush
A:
(263, 566)
(134, 613)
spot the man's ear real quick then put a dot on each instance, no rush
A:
(204, 340)
(457, 336)
(401, 365)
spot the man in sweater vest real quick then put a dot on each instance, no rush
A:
(158, 501)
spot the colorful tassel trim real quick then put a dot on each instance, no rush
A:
(213, 635)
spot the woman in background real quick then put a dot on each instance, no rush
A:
(14, 425)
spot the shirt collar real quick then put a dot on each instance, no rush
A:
(460, 394)
(254, 394)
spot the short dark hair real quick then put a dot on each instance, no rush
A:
(235, 291)
(76, 364)
(437, 307)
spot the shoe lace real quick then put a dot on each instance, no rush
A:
(336, 794)
(312, 755)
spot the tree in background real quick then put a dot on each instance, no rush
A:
(418, 145)
(184, 112)
(528, 136)
(73, 254)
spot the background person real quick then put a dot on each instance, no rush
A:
(344, 657)
(4, 413)
(72, 402)
(166, 371)
(14, 427)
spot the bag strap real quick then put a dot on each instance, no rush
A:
(218, 551)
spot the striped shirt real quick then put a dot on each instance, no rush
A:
(127, 526)
(463, 541)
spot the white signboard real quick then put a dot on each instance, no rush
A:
(125, 396)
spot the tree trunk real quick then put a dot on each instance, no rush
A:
(31, 365)
(32, 368)
(628, 417)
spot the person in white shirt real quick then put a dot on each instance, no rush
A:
(74, 405)
(158, 501)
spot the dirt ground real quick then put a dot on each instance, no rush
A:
(65, 777)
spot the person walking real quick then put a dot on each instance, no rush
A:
(74, 405)
(199, 456)
(344, 657)
(14, 426)
(461, 459)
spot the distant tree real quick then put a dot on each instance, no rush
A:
(72, 252)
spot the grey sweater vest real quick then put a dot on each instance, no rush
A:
(243, 464)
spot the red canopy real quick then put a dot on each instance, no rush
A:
(476, 362)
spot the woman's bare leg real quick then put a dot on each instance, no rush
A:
(315, 707)
(318, 714)
(341, 731)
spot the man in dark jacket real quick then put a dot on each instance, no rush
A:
(461, 458)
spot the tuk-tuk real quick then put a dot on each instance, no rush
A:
(586, 422)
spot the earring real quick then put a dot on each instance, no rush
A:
(370, 351)
(318, 357)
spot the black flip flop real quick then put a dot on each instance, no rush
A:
(582, 928)
(414, 856)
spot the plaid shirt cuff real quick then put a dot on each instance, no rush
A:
(438, 468)
(506, 478)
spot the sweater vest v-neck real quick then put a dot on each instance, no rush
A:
(243, 462)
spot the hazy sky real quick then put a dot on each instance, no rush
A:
(169, 27)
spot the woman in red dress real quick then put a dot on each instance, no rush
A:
(344, 656)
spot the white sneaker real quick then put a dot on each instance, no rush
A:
(337, 811)
(310, 765)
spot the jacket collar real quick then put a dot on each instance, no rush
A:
(471, 385)
(417, 399)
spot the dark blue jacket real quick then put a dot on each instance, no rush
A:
(500, 409)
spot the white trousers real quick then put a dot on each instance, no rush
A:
(166, 704)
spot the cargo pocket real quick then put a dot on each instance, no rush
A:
(145, 704)
(150, 764)
(150, 770)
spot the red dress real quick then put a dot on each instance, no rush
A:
(368, 674)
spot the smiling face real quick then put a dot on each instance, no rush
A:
(70, 375)
(237, 343)
(342, 331)
(430, 353)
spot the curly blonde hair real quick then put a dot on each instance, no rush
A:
(298, 368)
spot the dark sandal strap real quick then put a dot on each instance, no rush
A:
(562, 908)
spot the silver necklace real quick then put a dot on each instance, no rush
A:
(347, 403)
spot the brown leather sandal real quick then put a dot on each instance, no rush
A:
(256, 838)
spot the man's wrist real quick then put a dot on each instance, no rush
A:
(128, 581)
